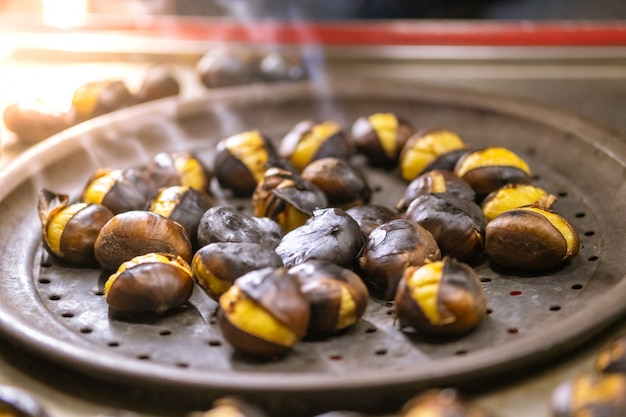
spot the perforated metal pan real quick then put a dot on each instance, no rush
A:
(59, 312)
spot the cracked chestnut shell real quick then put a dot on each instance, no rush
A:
(530, 238)
(179, 168)
(70, 230)
(390, 249)
(446, 402)
(440, 298)
(590, 396)
(512, 196)
(264, 313)
(337, 295)
(370, 216)
(96, 98)
(149, 283)
(15, 402)
(612, 358)
(111, 188)
(217, 265)
(133, 233)
(435, 181)
(226, 66)
(381, 137)
(159, 81)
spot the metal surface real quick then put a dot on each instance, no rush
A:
(59, 312)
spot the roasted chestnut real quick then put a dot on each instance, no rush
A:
(612, 358)
(226, 224)
(149, 283)
(337, 295)
(512, 196)
(33, 120)
(179, 168)
(390, 249)
(241, 161)
(226, 66)
(434, 149)
(230, 407)
(311, 140)
(440, 298)
(330, 235)
(15, 402)
(286, 198)
(343, 183)
(112, 189)
(282, 66)
(217, 265)
(264, 313)
(590, 396)
(446, 402)
(488, 169)
(70, 230)
(435, 181)
(370, 216)
(381, 137)
(133, 233)
(159, 81)
(96, 98)
(530, 238)
(457, 224)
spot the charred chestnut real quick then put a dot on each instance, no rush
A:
(280, 66)
(241, 161)
(70, 230)
(310, 140)
(96, 98)
(15, 402)
(488, 169)
(512, 196)
(159, 81)
(530, 238)
(337, 295)
(226, 224)
(133, 233)
(179, 168)
(612, 358)
(264, 313)
(435, 181)
(590, 395)
(457, 224)
(227, 66)
(330, 235)
(370, 216)
(110, 188)
(217, 265)
(381, 137)
(149, 283)
(33, 120)
(343, 183)
(286, 198)
(390, 249)
(441, 403)
(435, 149)
(229, 407)
(440, 298)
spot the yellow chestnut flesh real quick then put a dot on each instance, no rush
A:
(513, 196)
(309, 141)
(423, 149)
(612, 358)
(590, 396)
(381, 137)
(440, 403)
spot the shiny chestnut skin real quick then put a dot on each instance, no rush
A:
(337, 295)
(446, 402)
(390, 249)
(133, 233)
(343, 183)
(330, 235)
(278, 66)
(381, 137)
(15, 402)
(226, 66)
(70, 230)
(530, 238)
(112, 189)
(96, 98)
(149, 283)
(370, 216)
(33, 120)
(457, 224)
(281, 312)
(440, 298)
(159, 81)
(179, 168)
(435, 181)
(590, 396)
(217, 265)
(227, 224)
(612, 358)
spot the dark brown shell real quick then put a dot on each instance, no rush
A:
(426, 184)
(226, 66)
(368, 143)
(33, 121)
(370, 216)
(159, 81)
(612, 358)
(96, 98)
(164, 172)
(123, 195)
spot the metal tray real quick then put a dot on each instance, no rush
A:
(59, 313)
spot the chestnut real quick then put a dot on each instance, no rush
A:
(337, 295)
(227, 66)
(15, 402)
(330, 234)
(96, 98)
(217, 265)
(159, 81)
(278, 66)
(133, 233)
(441, 403)
(70, 230)
(433, 149)
(440, 298)
(227, 224)
(381, 137)
(457, 224)
(530, 238)
(264, 313)
(590, 396)
(149, 283)
(612, 358)
(370, 216)
(390, 249)
(286, 198)
(231, 406)
(241, 161)
(33, 120)
(310, 140)
(512, 196)
(488, 169)
(343, 183)
(110, 188)
(436, 181)
(179, 168)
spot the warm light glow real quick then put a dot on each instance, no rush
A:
(64, 13)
